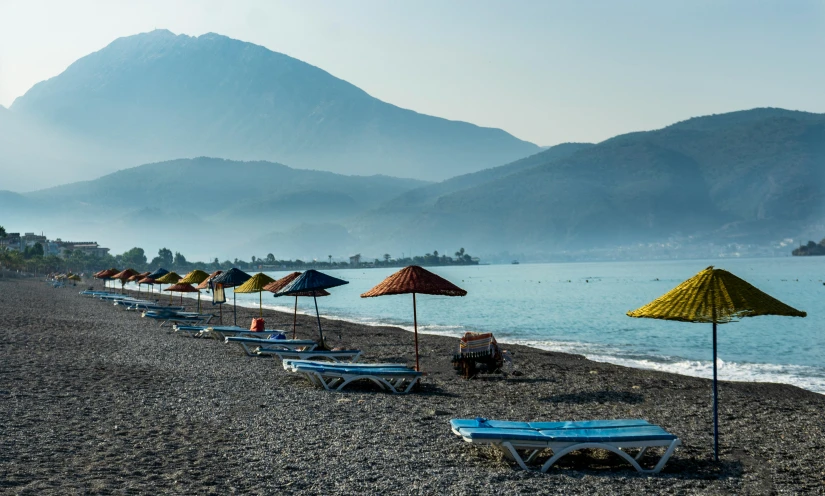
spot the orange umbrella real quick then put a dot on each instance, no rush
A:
(181, 288)
(414, 279)
(106, 275)
(281, 283)
(137, 277)
(205, 284)
(124, 276)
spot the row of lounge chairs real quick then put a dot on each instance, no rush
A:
(333, 370)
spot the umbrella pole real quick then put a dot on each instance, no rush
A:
(715, 400)
(199, 301)
(295, 318)
(235, 306)
(415, 327)
(318, 316)
(261, 302)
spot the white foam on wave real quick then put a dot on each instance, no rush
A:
(805, 377)
(810, 378)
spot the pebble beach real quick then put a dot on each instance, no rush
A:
(98, 400)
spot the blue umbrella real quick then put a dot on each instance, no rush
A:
(157, 275)
(229, 279)
(312, 281)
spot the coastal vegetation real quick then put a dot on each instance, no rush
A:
(810, 249)
(33, 260)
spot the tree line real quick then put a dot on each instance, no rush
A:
(34, 260)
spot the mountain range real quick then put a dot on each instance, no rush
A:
(721, 183)
(157, 96)
(364, 176)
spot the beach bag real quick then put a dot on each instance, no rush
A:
(257, 325)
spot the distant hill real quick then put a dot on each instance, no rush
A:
(386, 218)
(746, 183)
(205, 201)
(156, 96)
(747, 177)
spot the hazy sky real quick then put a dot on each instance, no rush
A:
(546, 71)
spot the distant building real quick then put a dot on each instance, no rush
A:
(12, 241)
(87, 247)
(355, 260)
(31, 239)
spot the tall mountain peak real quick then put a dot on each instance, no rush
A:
(158, 95)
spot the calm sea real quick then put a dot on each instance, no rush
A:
(580, 308)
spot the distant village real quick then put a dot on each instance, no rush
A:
(35, 253)
(59, 248)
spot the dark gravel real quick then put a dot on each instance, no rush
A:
(98, 400)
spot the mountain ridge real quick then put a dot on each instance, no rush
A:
(157, 96)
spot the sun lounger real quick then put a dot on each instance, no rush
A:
(511, 441)
(262, 346)
(458, 424)
(342, 356)
(223, 332)
(173, 317)
(397, 378)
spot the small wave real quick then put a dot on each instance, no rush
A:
(810, 378)
(805, 377)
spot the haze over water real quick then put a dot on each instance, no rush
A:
(580, 308)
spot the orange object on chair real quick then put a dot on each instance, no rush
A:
(257, 325)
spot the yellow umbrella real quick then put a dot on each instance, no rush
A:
(195, 277)
(256, 285)
(714, 296)
(170, 278)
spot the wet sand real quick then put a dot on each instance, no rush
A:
(95, 399)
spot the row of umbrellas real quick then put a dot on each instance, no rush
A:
(712, 296)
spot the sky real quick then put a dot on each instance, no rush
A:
(546, 71)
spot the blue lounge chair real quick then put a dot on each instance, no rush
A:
(345, 356)
(458, 424)
(253, 346)
(397, 378)
(222, 332)
(600, 434)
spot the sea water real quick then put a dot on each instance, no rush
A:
(580, 308)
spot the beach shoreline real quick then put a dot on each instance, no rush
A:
(98, 399)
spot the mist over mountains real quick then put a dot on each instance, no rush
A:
(738, 183)
(365, 176)
(158, 96)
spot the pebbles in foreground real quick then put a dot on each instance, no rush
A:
(96, 399)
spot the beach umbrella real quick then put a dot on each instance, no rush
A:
(232, 278)
(181, 288)
(160, 272)
(146, 280)
(256, 284)
(106, 275)
(414, 279)
(714, 296)
(195, 277)
(168, 278)
(311, 281)
(75, 277)
(205, 283)
(124, 276)
(281, 283)
(137, 277)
